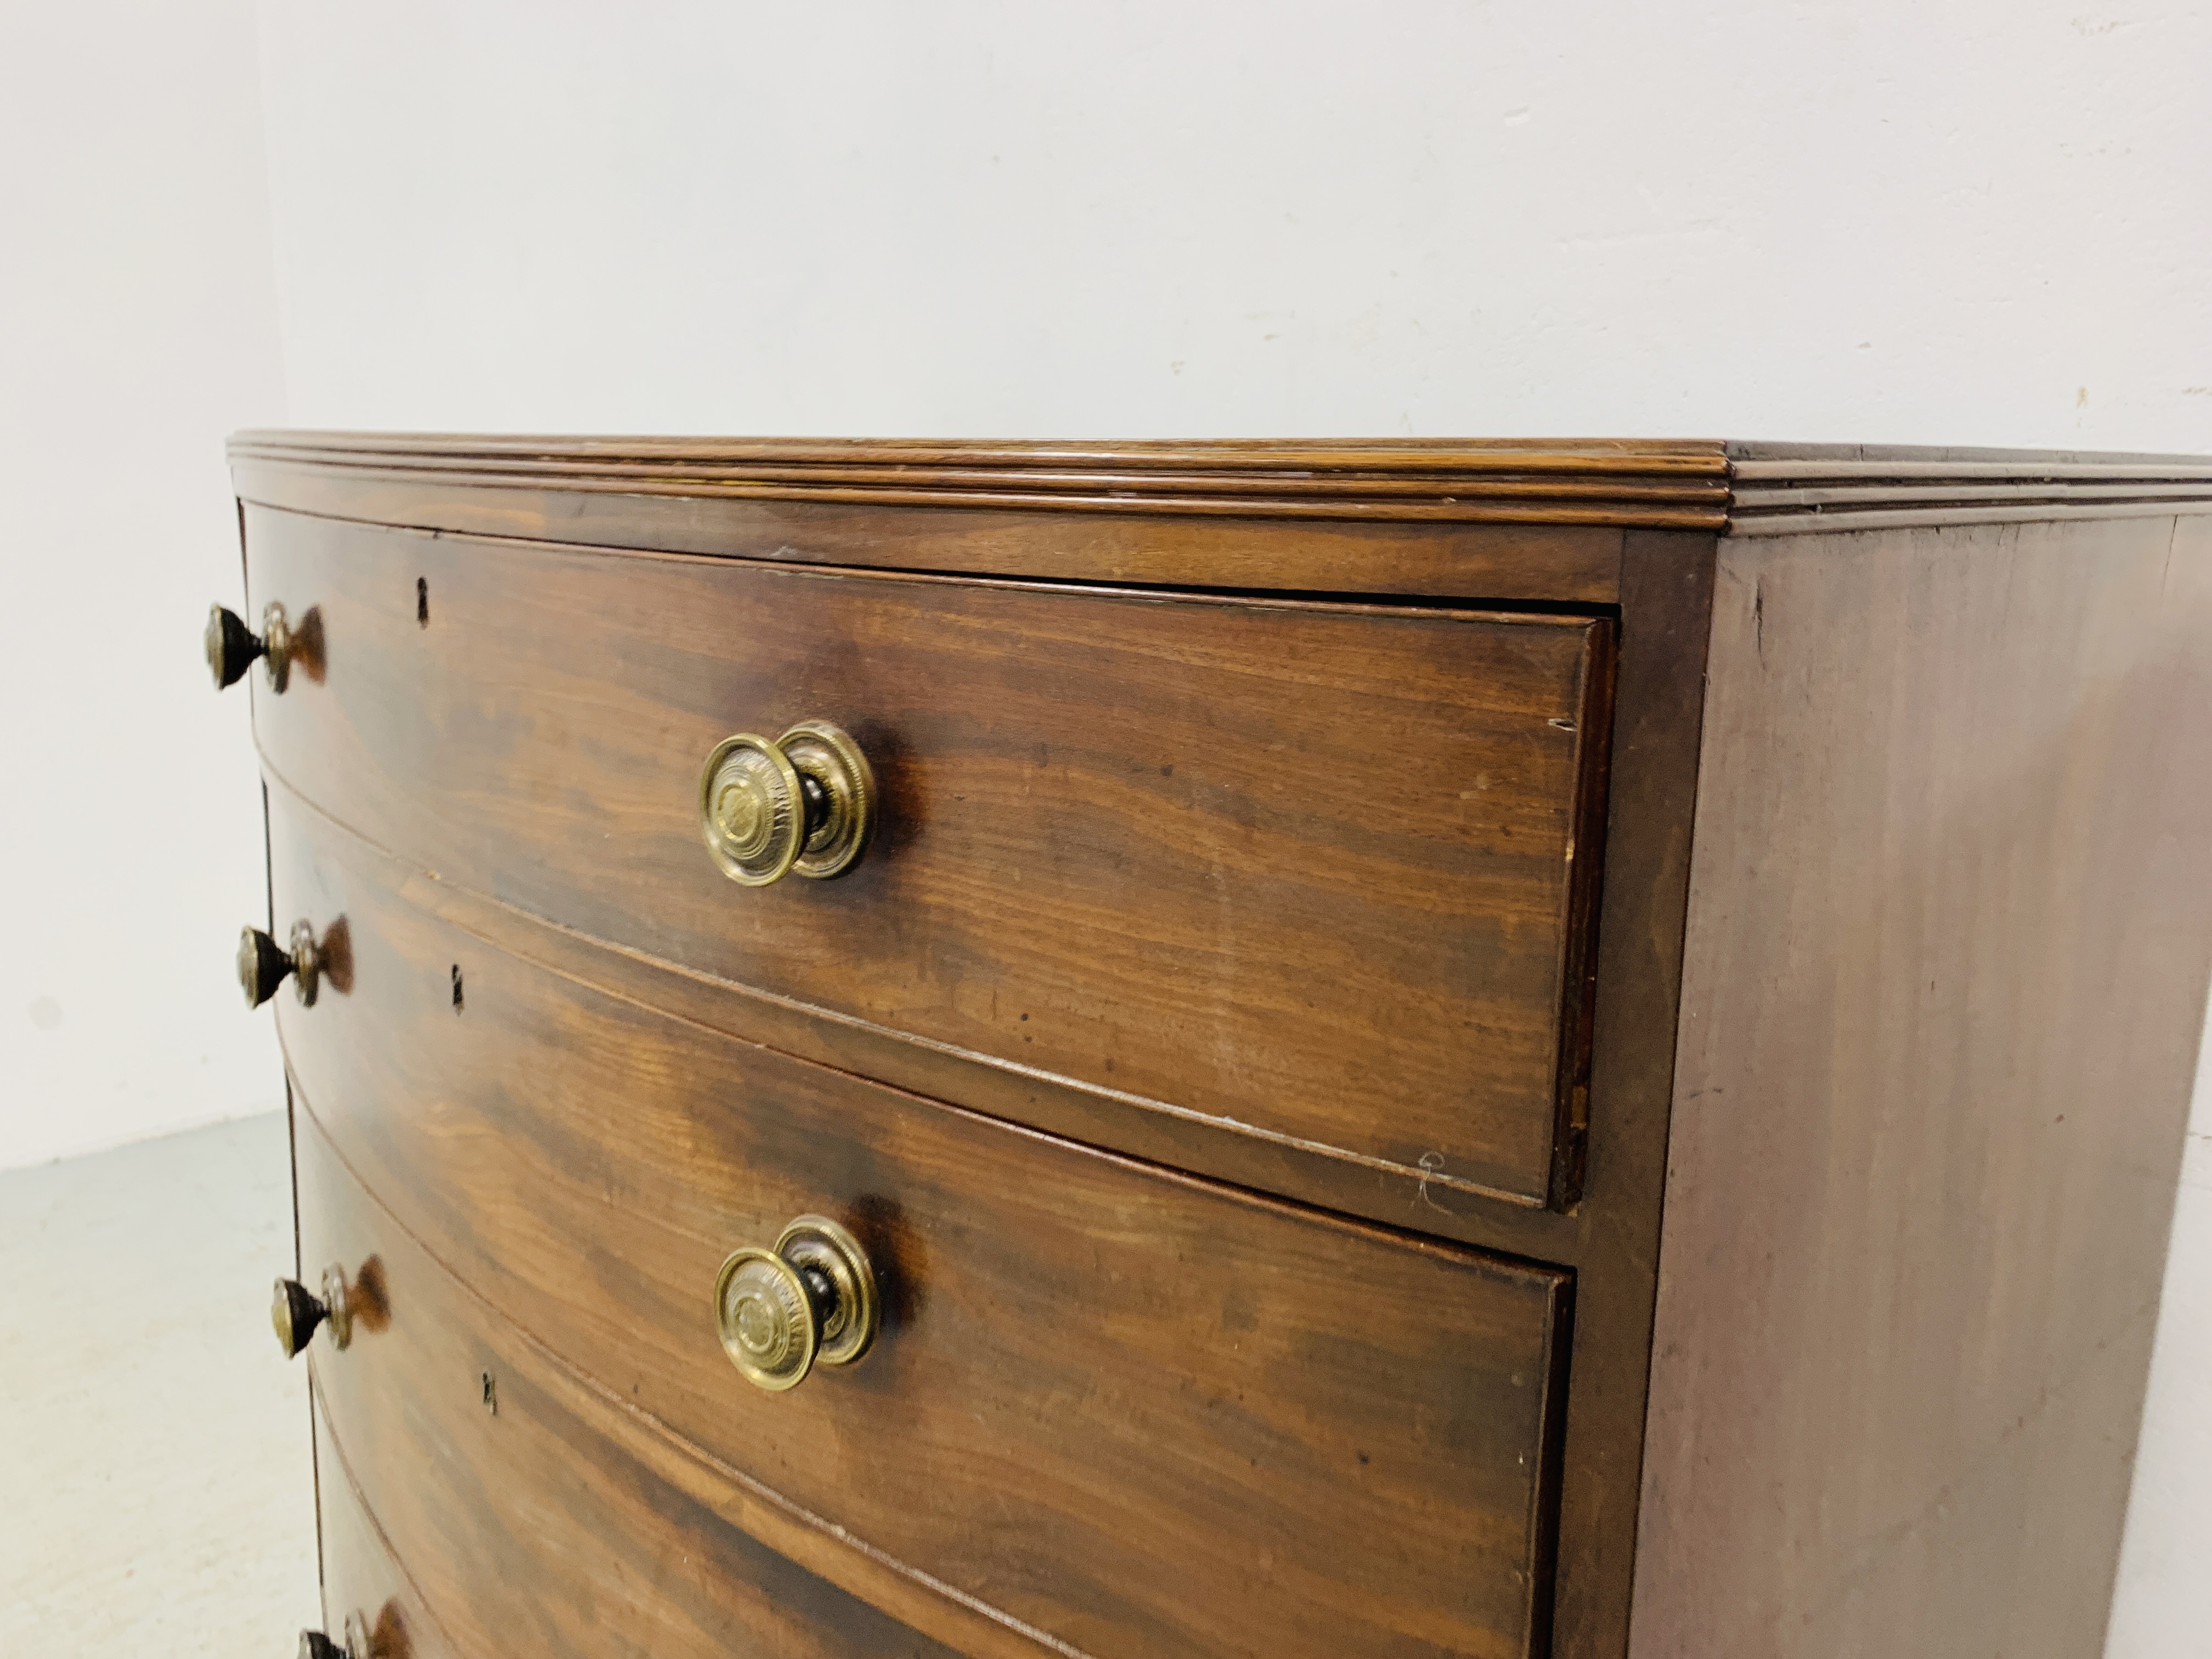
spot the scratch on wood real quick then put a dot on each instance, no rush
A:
(1431, 1164)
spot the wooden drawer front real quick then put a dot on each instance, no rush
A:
(1137, 1412)
(1306, 871)
(531, 1529)
(362, 1579)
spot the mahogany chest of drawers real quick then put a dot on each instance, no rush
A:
(1396, 1049)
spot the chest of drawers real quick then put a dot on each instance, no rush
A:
(1398, 1050)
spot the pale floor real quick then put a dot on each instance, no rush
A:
(156, 1489)
(155, 1481)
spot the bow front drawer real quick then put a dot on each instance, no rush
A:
(1134, 1411)
(1314, 875)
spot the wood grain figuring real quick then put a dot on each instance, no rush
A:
(1571, 563)
(1611, 1238)
(1947, 964)
(1275, 504)
(1311, 873)
(1661, 484)
(361, 1576)
(529, 1533)
(1397, 1198)
(1667, 588)
(1271, 1128)
(1134, 1411)
(1504, 521)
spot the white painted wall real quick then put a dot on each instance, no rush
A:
(1902, 220)
(137, 323)
(1838, 219)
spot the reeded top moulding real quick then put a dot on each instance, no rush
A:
(1200, 511)
(1685, 485)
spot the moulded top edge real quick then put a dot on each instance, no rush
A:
(1633, 483)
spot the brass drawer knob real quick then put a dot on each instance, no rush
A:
(358, 1644)
(232, 645)
(263, 965)
(811, 1298)
(805, 802)
(297, 1311)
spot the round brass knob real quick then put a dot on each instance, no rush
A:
(232, 645)
(263, 965)
(297, 1311)
(805, 802)
(810, 1299)
(358, 1644)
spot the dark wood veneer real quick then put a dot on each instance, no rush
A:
(1949, 935)
(1190, 1381)
(535, 1533)
(364, 1578)
(1311, 873)
(1898, 826)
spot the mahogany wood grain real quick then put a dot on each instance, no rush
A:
(1573, 564)
(1529, 518)
(1946, 974)
(529, 1533)
(1398, 1198)
(1140, 1413)
(1290, 465)
(1667, 588)
(1145, 486)
(361, 1576)
(1320, 874)
(1912, 1236)
(1611, 1238)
